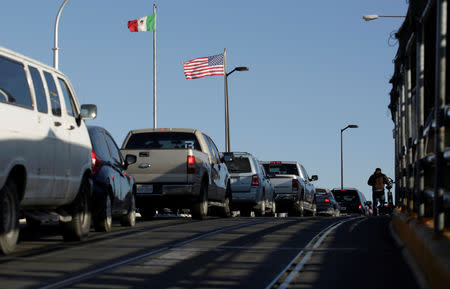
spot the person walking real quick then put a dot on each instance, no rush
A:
(377, 181)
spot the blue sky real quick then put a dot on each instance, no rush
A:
(315, 67)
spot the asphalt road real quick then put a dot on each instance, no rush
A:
(308, 252)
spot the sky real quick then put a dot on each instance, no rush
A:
(314, 68)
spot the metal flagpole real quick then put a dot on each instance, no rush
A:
(154, 70)
(227, 117)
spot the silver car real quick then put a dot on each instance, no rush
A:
(250, 187)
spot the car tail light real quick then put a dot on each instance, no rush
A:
(275, 163)
(326, 200)
(295, 185)
(360, 207)
(96, 163)
(255, 181)
(190, 164)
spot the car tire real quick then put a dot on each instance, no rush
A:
(199, 209)
(129, 220)
(80, 209)
(314, 210)
(103, 218)
(262, 208)
(226, 210)
(9, 218)
(273, 211)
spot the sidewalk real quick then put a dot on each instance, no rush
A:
(431, 255)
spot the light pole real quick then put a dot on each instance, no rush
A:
(342, 161)
(56, 48)
(227, 112)
(371, 17)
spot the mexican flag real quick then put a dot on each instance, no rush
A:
(147, 23)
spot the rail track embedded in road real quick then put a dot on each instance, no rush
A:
(63, 282)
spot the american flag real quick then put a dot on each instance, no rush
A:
(204, 66)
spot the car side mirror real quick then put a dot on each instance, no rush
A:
(314, 178)
(88, 111)
(130, 159)
(226, 157)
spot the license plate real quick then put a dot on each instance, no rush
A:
(144, 189)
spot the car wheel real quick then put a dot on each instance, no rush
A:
(78, 228)
(129, 220)
(199, 209)
(103, 219)
(226, 210)
(262, 209)
(9, 218)
(314, 210)
(274, 209)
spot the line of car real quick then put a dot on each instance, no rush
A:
(55, 168)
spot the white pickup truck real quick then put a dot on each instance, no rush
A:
(294, 190)
(177, 169)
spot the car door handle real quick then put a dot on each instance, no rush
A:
(71, 127)
(57, 123)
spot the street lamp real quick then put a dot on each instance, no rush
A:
(376, 16)
(56, 48)
(227, 114)
(342, 162)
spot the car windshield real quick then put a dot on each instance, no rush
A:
(163, 140)
(239, 165)
(281, 169)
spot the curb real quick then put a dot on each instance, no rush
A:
(430, 254)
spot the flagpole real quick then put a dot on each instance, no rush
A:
(227, 117)
(154, 70)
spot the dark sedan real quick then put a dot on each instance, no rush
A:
(351, 201)
(114, 191)
(325, 203)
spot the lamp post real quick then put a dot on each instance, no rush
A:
(371, 17)
(342, 161)
(56, 48)
(227, 113)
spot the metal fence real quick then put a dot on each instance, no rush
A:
(421, 114)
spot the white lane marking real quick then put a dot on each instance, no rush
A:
(305, 259)
(86, 275)
(324, 231)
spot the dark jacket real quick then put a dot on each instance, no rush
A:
(377, 181)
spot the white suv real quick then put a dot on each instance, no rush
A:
(45, 150)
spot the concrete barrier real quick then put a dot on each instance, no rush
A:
(431, 254)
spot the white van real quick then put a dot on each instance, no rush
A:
(45, 150)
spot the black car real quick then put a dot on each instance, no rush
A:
(114, 191)
(351, 201)
(325, 203)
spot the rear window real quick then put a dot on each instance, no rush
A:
(281, 169)
(163, 140)
(239, 165)
(321, 192)
(346, 196)
(99, 144)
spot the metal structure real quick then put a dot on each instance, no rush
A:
(421, 113)
(342, 153)
(55, 47)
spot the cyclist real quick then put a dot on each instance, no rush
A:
(377, 181)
